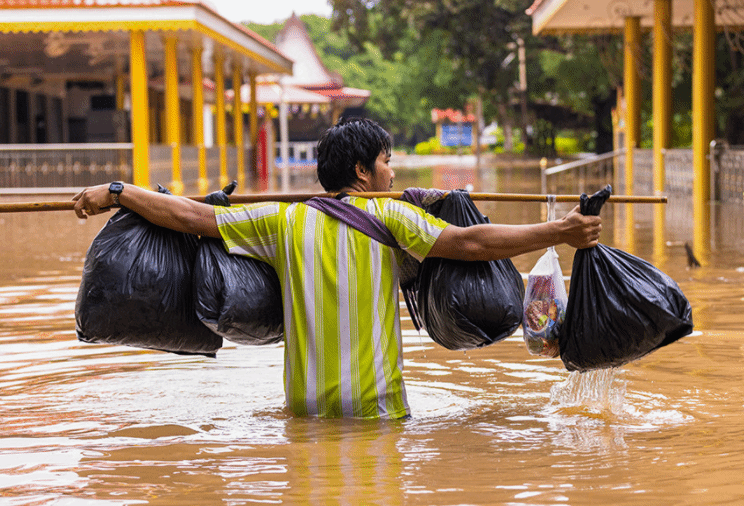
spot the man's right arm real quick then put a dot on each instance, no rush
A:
(495, 241)
(176, 213)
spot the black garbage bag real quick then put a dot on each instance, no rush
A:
(237, 297)
(620, 307)
(465, 305)
(136, 289)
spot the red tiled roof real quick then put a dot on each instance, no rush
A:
(344, 92)
(532, 8)
(452, 115)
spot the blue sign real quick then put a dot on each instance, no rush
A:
(457, 135)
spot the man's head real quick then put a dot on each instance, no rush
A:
(349, 146)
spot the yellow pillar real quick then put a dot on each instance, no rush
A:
(703, 122)
(219, 83)
(140, 112)
(237, 82)
(662, 110)
(173, 112)
(197, 104)
(120, 91)
(662, 88)
(632, 92)
(254, 126)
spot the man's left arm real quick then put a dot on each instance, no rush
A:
(495, 241)
(176, 213)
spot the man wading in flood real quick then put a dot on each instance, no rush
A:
(343, 346)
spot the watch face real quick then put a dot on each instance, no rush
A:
(116, 187)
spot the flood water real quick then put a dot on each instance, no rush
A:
(98, 424)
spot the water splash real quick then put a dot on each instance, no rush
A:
(594, 391)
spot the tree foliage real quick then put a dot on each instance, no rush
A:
(405, 84)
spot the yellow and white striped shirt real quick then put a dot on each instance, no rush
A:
(340, 293)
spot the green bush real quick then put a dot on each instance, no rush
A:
(428, 147)
(567, 145)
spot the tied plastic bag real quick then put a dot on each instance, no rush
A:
(544, 306)
(620, 307)
(465, 305)
(237, 297)
(136, 289)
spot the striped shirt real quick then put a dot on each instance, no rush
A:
(343, 345)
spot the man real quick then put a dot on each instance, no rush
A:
(340, 287)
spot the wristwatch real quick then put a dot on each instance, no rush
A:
(115, 190)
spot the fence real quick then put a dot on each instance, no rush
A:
(726, 171)
(63, 165)
(580, 174)
(80, 165)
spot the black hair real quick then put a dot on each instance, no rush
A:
(349, 141)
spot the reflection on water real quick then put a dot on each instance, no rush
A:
(99, 424)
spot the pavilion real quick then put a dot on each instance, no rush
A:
(74, 73)
(311, 75)
(632, 17)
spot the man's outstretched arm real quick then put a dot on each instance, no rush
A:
(176, 213)
(494, 241)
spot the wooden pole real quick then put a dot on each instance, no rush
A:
(19, 207)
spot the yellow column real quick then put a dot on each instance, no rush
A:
(173, 112)
(120, 91)
(237, 82)
(197, 78)
(703, 122)
(662, 87)
(632, 92)
(219, 91)
(140, 113)
(662, 110)
(254, 126)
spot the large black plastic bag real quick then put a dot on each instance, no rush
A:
(237, 297)
(620, 307)
(136, 289)
(465, 305)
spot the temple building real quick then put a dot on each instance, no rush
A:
(308, 120)
(128, 89)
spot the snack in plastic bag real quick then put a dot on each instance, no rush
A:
(465, 305)
(544, 306)
(620, 307)
(236, 297)
(136, 289)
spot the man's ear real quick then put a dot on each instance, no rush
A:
(361, 171)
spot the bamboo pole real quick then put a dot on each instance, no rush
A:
(19, 207)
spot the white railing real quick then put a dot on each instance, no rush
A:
(300, 154)
(575, 175)
(60, 165)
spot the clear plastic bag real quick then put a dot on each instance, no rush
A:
(545, 301)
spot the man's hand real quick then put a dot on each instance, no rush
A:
(581, 231)
(93, 200)
(176, 213)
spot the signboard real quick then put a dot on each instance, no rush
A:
(457, 135)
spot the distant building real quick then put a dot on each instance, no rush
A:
(97, 90)
(308, 120)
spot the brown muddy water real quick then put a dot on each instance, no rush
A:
(97, 424)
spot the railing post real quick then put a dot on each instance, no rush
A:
(543, 176)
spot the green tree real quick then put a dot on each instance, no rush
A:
(405, 85)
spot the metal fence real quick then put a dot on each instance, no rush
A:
(726, 173)
(593, 173)
(63, 165)
(81, 165)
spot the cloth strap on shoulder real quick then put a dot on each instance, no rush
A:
(359, 219)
